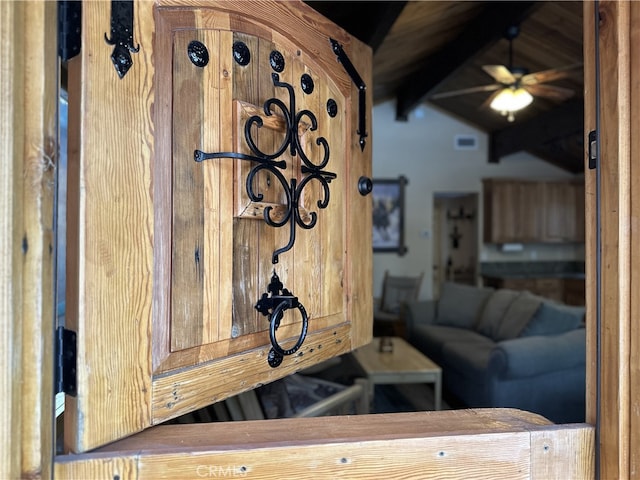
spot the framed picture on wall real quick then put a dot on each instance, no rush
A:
(388, 215)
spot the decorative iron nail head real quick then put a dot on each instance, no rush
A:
(241, 53)
(198, 53)
(277, 61)
(332, 108)
(306, 82)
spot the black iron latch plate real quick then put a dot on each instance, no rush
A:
(66, 361)
(593, 149)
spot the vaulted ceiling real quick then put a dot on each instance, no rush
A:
(425, 48)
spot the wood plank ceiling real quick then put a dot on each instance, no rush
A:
(424, 48)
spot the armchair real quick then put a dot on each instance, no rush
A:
(387, 311)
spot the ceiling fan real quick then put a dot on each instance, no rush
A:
(515, 87)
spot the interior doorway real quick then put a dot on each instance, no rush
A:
(455, 238)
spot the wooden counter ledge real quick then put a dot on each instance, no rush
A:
(474, 443)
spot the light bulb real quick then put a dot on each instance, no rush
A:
(511, 99)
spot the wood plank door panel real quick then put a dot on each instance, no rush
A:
(236, 168)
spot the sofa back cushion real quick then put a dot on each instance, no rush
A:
(554, 319)
(494, 311)
(518, 315)
(460, 305)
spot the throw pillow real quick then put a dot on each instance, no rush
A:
(460, 305)
(554, 319)
(494, 311)
(518, 315)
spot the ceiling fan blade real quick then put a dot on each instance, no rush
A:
(550, 91)
(463, 91)
(549, 75)
(501, 73)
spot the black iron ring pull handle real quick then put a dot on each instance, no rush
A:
(277, 353)
(273, 305)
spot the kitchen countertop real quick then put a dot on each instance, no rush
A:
(576, 275)
(524, 270)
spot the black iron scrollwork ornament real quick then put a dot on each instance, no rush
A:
(360, 85)
(273, 305)
(122, 36)
(268, 162)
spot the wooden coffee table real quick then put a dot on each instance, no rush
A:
(405, 364)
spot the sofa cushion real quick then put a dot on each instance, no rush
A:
(554, 319)
(518, 315)
(431, 339)
(379, 314)
(494, 311)
(513, 358)
(472, 361)
(460, 305)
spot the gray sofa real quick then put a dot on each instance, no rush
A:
(504, 348)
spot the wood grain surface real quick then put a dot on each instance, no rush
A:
(166, 262)
(472, 444)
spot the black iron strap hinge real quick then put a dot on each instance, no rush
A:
(66, 361)
(69, 28)
(360, 85)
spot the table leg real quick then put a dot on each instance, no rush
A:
(370, 389)
(363, 406)
(437, 392)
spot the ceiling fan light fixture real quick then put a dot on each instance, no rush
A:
(511, 99)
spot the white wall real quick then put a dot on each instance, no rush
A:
(422, 149)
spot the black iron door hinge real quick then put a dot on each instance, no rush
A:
(360, 85)
(66, 361)
(69, 28)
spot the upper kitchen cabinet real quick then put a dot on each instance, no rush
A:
(563, 212)
(512, 211)
(525, 211)
(219, 222)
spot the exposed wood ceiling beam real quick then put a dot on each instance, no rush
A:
(368, 21)
(540, 134)
(381, 22)
(487, 29)
(567, 153)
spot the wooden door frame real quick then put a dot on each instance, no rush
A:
(613, 356)
(27, 307)
(28, 119)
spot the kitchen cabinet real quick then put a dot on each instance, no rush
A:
(559, 288)
(574, 291)
(527, 211)
(551, 288)
(512, 211)
(563, 212)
